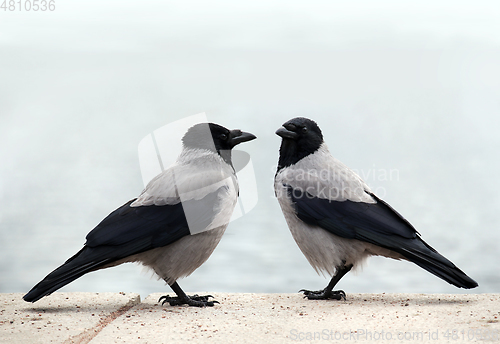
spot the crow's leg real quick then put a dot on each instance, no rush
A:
(328, 293)
(183, 299)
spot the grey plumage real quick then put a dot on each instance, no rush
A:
(175, 223)
(336, 220)
(323, 176)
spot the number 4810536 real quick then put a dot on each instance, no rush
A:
(28, 5)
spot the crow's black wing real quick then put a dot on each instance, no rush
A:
(349, 219)
(128, 231)
(379, 224)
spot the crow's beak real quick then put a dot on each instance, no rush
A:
(238, 136)
(286, 134)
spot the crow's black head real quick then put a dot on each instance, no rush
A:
(301, 137)
(215, 137)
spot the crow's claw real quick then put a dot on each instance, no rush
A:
(195, 300)
(324, 294)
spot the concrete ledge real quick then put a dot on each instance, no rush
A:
(59, 317)
(251, 318)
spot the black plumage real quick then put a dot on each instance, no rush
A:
(380, 225)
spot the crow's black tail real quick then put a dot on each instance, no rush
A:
(420, 253)
(86, 260)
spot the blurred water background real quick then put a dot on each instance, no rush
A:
(406, 94)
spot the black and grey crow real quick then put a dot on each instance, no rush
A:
(336, 220)
(173, 226)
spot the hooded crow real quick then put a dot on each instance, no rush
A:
(175, 223)
(336, 220)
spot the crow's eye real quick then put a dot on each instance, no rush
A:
(304, 129)
(223, 137)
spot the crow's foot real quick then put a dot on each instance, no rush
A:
(195, 300)
(324, 294)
